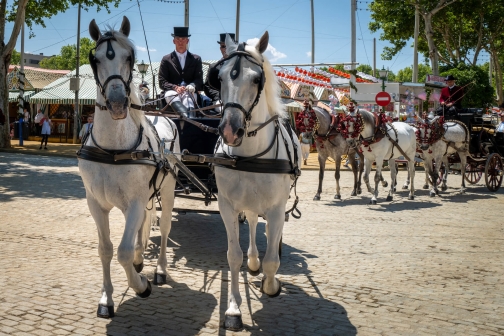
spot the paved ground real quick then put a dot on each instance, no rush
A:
(432, 266)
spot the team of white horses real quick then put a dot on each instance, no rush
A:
(119, 128)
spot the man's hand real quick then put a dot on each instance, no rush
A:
(449, 104)
(180, 89)
(190, 88)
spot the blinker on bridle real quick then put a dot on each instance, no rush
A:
(235, 72)
(109, 37)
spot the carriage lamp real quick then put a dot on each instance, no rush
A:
(383, 75)
(142, 67)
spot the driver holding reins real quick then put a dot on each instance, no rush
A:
(451, 98)
(181, 74)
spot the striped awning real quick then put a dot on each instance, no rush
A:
(292, 105)
(14, 96)
(58, 92)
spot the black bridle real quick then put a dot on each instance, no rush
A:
(108, 37)
(235, 72)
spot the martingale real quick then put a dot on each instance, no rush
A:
(436, 129)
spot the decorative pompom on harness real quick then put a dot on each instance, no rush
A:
(436, 128)
(381, 122)
(306, 121)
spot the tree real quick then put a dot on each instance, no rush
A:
(406, 74)
(16, 57)
(29, 12)
(67, 59)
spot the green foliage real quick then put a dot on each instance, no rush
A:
(367, 69)
(15, 58)
(67, 60)
(406, 74)
(478, 92)
(39, 10)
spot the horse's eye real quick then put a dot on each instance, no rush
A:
(96, 60)
(256, 80)
(128, 58)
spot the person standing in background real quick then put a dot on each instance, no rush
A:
(46, 130)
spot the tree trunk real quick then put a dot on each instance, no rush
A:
(433, 52)
(4, 99)
(498, 75)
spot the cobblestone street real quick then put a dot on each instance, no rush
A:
(432, 266)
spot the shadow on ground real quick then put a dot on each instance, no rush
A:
(172, 309)
(38, 176)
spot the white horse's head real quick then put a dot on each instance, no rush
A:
(352, 125)
(112, 66)
(243, 78)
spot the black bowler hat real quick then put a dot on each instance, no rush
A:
(449, 77)
(223, 37)
(180, 32)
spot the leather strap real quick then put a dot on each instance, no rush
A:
(266, 166)
(95, 154)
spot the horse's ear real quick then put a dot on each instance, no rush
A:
(231, 45)
(263, 42)
(94, 31)
(125, 26)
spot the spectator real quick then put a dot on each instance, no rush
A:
(86, 127)
(37, 120)
(46, 130)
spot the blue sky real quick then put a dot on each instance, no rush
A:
(288, 23)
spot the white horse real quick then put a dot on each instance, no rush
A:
(117, 166)
(250, 96)
(382, 141)
(437, 140)
(331, 144)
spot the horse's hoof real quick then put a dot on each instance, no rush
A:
(254, 273)
(444, 188)
(425, 186)
(385, 184)
(139, 267)
(354, 193)
(405, 187)
(462, 191)
(105, 311)
(278, 291)
(337, 196)
(389, 198)
(432, 194)
(359, 191)
(411, 197)
(316, 198)
(233, 323)
(395, 189)
(372, 202)
(159, 279)
(146, 292)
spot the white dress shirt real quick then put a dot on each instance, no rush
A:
(181, 58)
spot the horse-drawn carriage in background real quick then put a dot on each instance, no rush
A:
(485, 148)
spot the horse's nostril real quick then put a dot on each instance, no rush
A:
(240, 132)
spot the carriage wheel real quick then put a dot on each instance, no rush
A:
(493, 172)
(472, 173)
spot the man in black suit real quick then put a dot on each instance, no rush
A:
(213, 71)
(181, 72)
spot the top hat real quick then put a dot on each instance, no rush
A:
(180, 32)
(223, 37)
(449, 77)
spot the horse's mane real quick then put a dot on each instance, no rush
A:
(271, 87)
(137, 115)
(367, 116)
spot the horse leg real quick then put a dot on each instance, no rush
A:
(322, 162)
(233, 319)
(337, 177)
(135, 215)
(366, 175)
(393, 177)
(165, 223)
(444, 160)
(356, 185)
(270, 285)
(142, 239)
(411, 168)
(377, 179)
(253, 262)
(106, 252)
(383, 182)
(463, 162)
(430, 171)
(361, 169)
(407, 182)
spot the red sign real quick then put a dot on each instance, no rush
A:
(382, 98)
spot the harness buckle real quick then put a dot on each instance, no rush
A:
(201, 159)
(134, 156)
